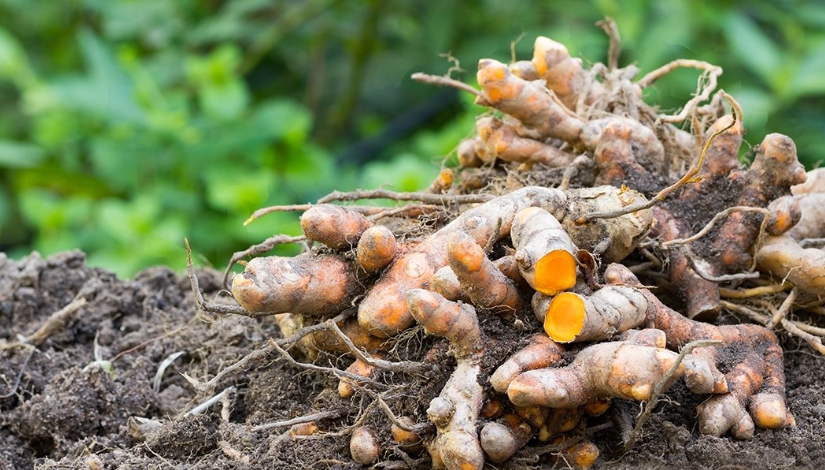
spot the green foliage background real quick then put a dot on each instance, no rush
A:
(127, 125)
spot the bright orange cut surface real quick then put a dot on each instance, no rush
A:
(565, 317)
(555, 272)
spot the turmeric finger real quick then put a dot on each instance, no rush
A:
(455, 411)
(724, 413)
(572, 317)
(485, 285)
(446, 283)
(774, 170)
(502, 141)
(336, 227)
(560, 420)
(540, 352)
(615, 369)
(562, 73)
(304, 284)
(526, 101)
(544, 251)
(785, 258)
(582, 455)
(767, 408)
(439, 316)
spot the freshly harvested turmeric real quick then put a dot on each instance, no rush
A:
(569, 166)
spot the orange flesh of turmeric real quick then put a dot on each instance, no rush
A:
(555, 272)
(565, 317)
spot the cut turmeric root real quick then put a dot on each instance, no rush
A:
(544, 251)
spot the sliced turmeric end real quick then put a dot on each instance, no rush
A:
(555, 272)
(540, 48)
(565, 317)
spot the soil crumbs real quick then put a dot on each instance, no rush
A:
(103, 388)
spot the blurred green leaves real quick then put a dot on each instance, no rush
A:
(130, 124)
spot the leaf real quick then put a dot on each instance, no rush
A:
(20, 155)
(13, 62)
(809, 78)
(406, 172)
(108, 89)
(224, 101)
(236, 190)
(754, 49)
(284, 119)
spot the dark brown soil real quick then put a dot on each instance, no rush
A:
(62, 409)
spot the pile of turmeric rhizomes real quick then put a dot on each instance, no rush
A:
(571, 190)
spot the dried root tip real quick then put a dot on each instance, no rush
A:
(544, 251)
(571, 317)
(500, 441)
(784, 258)
(581, 455)
(304, 284)
(376, 248)
(345, 385)
(486, 286)
(446, 283)
(540, 352)
(785, 213)
(616, 369)
(335, 226)
(363, 446)
(439, 316)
